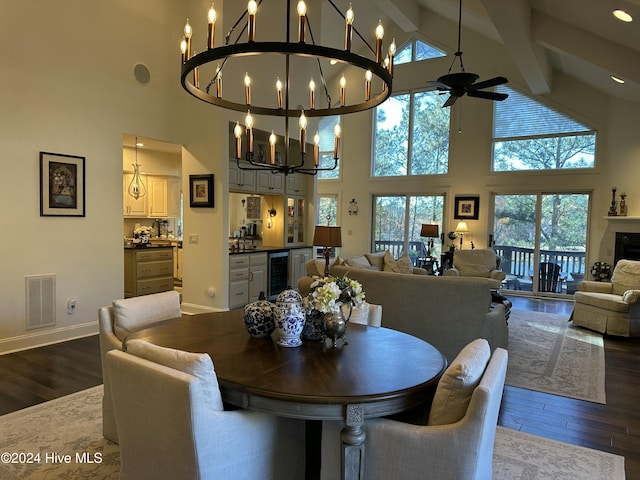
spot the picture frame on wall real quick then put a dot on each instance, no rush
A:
(62, 185)
(201, 191)
(466, 208)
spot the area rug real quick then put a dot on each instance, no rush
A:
(547, 353)
(67, 435)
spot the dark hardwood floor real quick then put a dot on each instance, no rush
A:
(34, 376)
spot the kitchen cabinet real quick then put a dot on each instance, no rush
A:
(241, 180)
(267, 182)
(133, 207)
(147, 270)
(295, 220)
(157, 191)
(247, 278)
(296, 184)
(298, 257)
(177, 263)
(174, 195)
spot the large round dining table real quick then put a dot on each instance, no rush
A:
(379, 372)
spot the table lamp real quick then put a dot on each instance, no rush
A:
(327, 237)
(430, 231)
(461, 229)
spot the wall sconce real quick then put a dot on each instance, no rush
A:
(353, 207)
(272, 213)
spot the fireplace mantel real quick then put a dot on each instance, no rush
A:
(621, 218)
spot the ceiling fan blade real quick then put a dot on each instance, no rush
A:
(438, 85)
(492, 82)
(487, 95)
(451, 100)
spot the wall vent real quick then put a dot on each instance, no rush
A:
(40, 294)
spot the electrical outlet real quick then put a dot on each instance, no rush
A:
(193, 238)
(71, 306)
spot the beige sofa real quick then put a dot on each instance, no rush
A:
(612, 307)
(448, 312)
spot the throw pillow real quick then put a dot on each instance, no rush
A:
(359, 262)
(401, 265)
(314, 267)
(132, 314)
(376, 259)
(199, 365)
(458, 382)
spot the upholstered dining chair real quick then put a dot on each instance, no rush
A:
(369, 314)
(172, 423)
(458, 439)
(115, 322)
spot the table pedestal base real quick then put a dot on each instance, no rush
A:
(353, 437)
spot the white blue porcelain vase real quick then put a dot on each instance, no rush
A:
(312, 326)
(289, 317)
(258, 317)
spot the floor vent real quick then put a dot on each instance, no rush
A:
(40, 297)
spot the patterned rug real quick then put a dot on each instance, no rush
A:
(549, 354)
(62, 440)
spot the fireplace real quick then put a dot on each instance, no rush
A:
(627, 246)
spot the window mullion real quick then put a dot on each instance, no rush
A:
(410, 136)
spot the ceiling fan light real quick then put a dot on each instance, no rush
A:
(622, 15)
(617, 79)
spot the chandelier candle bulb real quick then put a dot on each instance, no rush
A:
(367, 85)
(183, 49)
(336, 143)
(272, 148)
(252, 8)
(302, 18)
(248, 123)
(316, 149)
(343, 84)
(188, 31)
(303, 128)
(348, 31)
(392, 53)
(211, 17)
(312, 93)
(379, 37)
(237, 132)
(247, 88)
(218, 82)
(279, 91)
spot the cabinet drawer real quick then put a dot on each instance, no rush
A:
(155, 269)
(238, 294)
(237, 261)
(257, 259)
(156, 285)
(154, 255)
(238, 274)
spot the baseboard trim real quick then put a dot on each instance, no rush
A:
(48, 337)
(194, 309)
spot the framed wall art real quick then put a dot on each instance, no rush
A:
(201, 191)
(466, 208)
(62, 185)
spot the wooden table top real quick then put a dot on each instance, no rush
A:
(378, 365)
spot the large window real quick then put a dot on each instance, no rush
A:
(528, 135)
(326, 131)
(398, 221)
(327, 210)
(411, 136)
(416, 50)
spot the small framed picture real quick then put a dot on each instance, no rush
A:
(201, 191)
(62, 180)
(466, 208)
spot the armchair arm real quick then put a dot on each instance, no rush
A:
(497, 274)
(631, 296)
(597, 287)
(452, 272)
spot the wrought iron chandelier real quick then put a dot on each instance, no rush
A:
(376, 74)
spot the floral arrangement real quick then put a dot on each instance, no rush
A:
(329, 294)
(601, 271)
(144, 230)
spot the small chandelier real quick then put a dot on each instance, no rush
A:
(136, 188)
(303, 48)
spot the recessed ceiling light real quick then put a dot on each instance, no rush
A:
(617, 79)
(622, 15)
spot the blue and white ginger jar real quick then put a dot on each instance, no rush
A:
(289, 317)
(258, 317)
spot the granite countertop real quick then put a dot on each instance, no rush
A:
(267, 249)
(140, 246)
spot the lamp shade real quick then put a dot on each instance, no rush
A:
(462, 227)
(327, 236)
(429, 230)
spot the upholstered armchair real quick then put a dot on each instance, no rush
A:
(482, 262)
(612, 307)
(115, 322)
(172, 424)
(458, 439)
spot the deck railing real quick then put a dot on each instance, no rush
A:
(396, 248)
(520, 261)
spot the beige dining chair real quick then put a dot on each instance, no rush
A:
(172, 425)
(458, 439)
(369, 314)
(115, 322)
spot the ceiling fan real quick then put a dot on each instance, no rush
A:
(461, 83)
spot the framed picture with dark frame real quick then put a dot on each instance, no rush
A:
(201, 191)
(466, 208)
(62, 185)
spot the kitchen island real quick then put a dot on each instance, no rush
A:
(147, 269)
